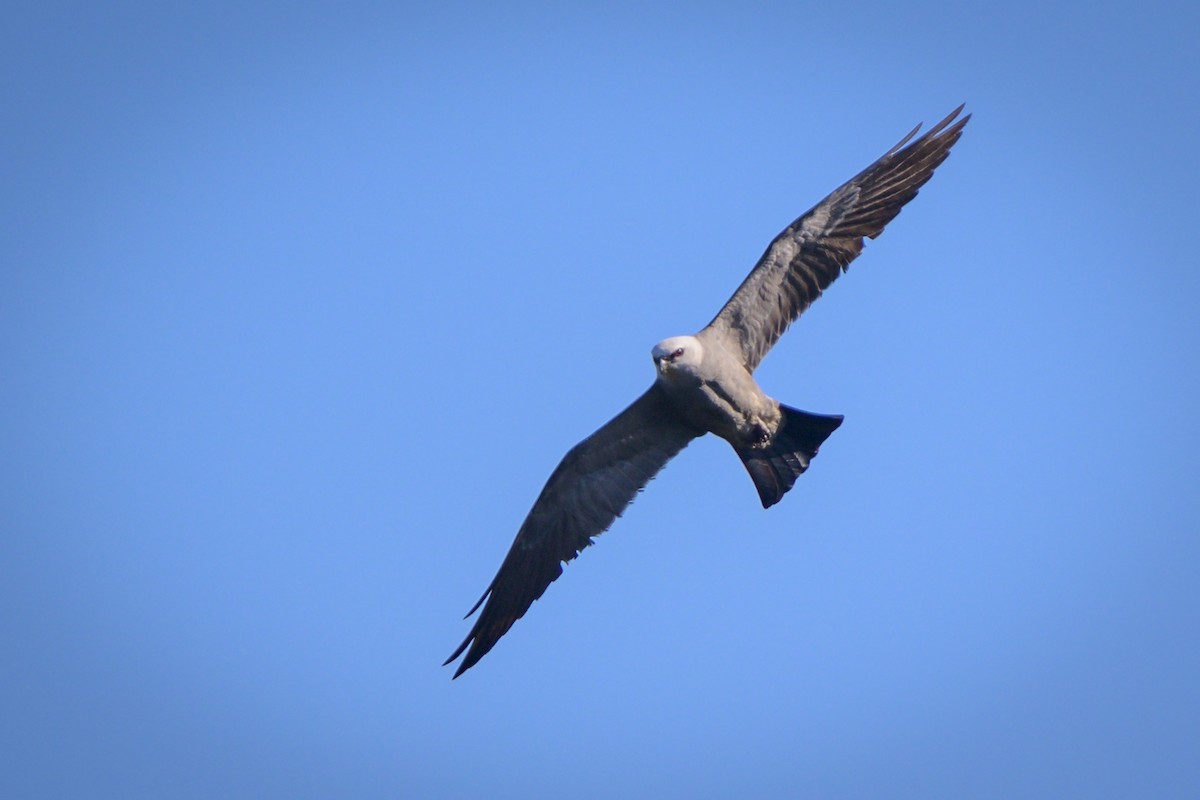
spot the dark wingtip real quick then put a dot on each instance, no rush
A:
(455, 654)
(935, 130)
(478, 602)
(458, 652)
(905, 140)
(468, 662)
(471, 660)
(464, 666)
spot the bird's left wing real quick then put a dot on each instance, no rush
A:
(803, 260)
(593, 484)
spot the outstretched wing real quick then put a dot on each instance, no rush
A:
(803, 260)
(592, 485)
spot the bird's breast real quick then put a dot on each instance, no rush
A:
(737, 411)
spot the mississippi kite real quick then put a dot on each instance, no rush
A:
(705, 384)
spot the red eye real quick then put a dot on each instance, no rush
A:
(678, 352)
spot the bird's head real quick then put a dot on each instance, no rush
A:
(679, 353)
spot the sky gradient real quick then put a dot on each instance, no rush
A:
(300, 305)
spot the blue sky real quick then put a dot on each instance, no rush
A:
(301, 304)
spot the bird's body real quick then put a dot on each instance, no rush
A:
(713, 390)
(705, 384)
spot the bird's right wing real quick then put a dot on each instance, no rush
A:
(803, 260)
(595, 482)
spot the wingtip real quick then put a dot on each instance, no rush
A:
(458, 651)
(466, 664)
(461, 667)
(478, 602)
(934, 131)
(952, 117)
(908, 138)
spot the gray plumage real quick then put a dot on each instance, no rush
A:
(705, 384)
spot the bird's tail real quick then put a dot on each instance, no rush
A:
(775, 466)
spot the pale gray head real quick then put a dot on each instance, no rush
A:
(679, 353)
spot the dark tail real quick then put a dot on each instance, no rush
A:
(776, 465)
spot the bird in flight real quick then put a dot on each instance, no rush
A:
(705, 384)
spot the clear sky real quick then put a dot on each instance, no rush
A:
(300, 304)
